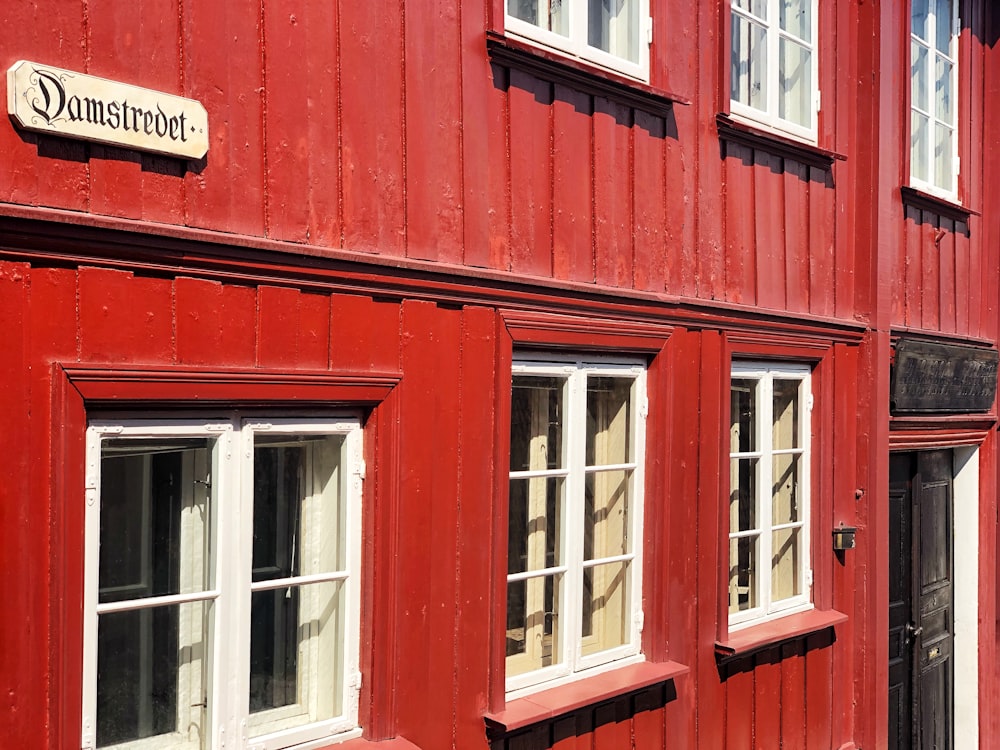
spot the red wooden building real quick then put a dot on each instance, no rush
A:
(542, 374)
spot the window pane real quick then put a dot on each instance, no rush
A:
(151, 666)
(757, 7)
(613, 26)
(785, 500)
(155, 508)
(785, 413)
(296, 659)
(919, 73)
(534, 524)
(606, 514)
(795, 18)
(536, 414)
(942, 25)
(943, 157)
(919, 25)
(743, 416)
(944, 107)
(546, 15)
(795, 84)
(749, 64)
(533, 624)
(608, 420)
(606, 607)
(742, 494)
(919, 167)
(785, 564)
(742, 574)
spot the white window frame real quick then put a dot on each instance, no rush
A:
(765, 374)
(573, 664)
(769, 116)
(576, 46)
(930, 185)
(228, 588)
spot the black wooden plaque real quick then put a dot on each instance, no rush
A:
(935, 378)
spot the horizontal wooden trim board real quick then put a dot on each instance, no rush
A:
(773, 632)
(588, 691)
(744, 134)
(941, 206)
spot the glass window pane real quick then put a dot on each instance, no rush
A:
(742, 494)
(919, 166)
(785, 564)
(606, 514)
(795, 87)
(534, 524)
(756, 7)
(942, 25)
(944, 107)
(613, 26)
(296, 658)
(546, 15)
(785, 415)
(606, 607)
(151, 666)
(742, 574)
(920, 18)
(785, 500)
(155, 508)
(533, 624)
(743, 416)
(608, 420)
(795, 18)
(748, 75)
(943, 157)
(919, 77)
(536, 415)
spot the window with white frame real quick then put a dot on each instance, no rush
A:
(769, 482)
(574, 599)
(773, 64)
(933, 96)
(613, 34)
(221, 582)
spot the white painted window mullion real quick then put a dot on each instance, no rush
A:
(575, 445)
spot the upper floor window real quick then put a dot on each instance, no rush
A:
(221, 582)
(574, 596)
(773, 64)
(769, 483)
(613, 35)
(933, 96)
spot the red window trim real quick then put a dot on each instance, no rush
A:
(778, 630)
(78, 388)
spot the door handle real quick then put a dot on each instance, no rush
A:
(912, 631)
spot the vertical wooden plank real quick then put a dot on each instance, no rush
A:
(530, 175)
(565, 735)
(216, 323)
(769, 230)
(125, 318)
(913, 302)
(930, 286)
(793, 696)
(971, 276)
(767, 699)
(822, 250)
(740, 225)
(739, 678)
(277, 323)
(432, 43)
(681, 242)
(649, 194)
(647, 724)
(477, 90)
(364, 334)
(473, 621)
(572, 186)
(949, 289)
(429, 471)
(371, 97)
(818, 674)
(227, 192)
(797, 249)
(613, 226)
(612, 728)
(499, 172)
(314, 331)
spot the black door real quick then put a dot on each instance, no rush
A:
(921, 611)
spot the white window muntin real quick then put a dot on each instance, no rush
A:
(934, 166)
(226, 592)
(574, 43)
(767, 608)
(574, 373)
(768, 22)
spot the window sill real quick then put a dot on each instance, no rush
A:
(396, 743)
(779, 630)
(588, 691)
(925, 201)
(552, 67)
(742, 133)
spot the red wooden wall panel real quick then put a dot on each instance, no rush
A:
(649, 195)
(572, 185)
(740, 223)
(215, 322)
(613, 226)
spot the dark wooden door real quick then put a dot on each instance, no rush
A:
(921, 601)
